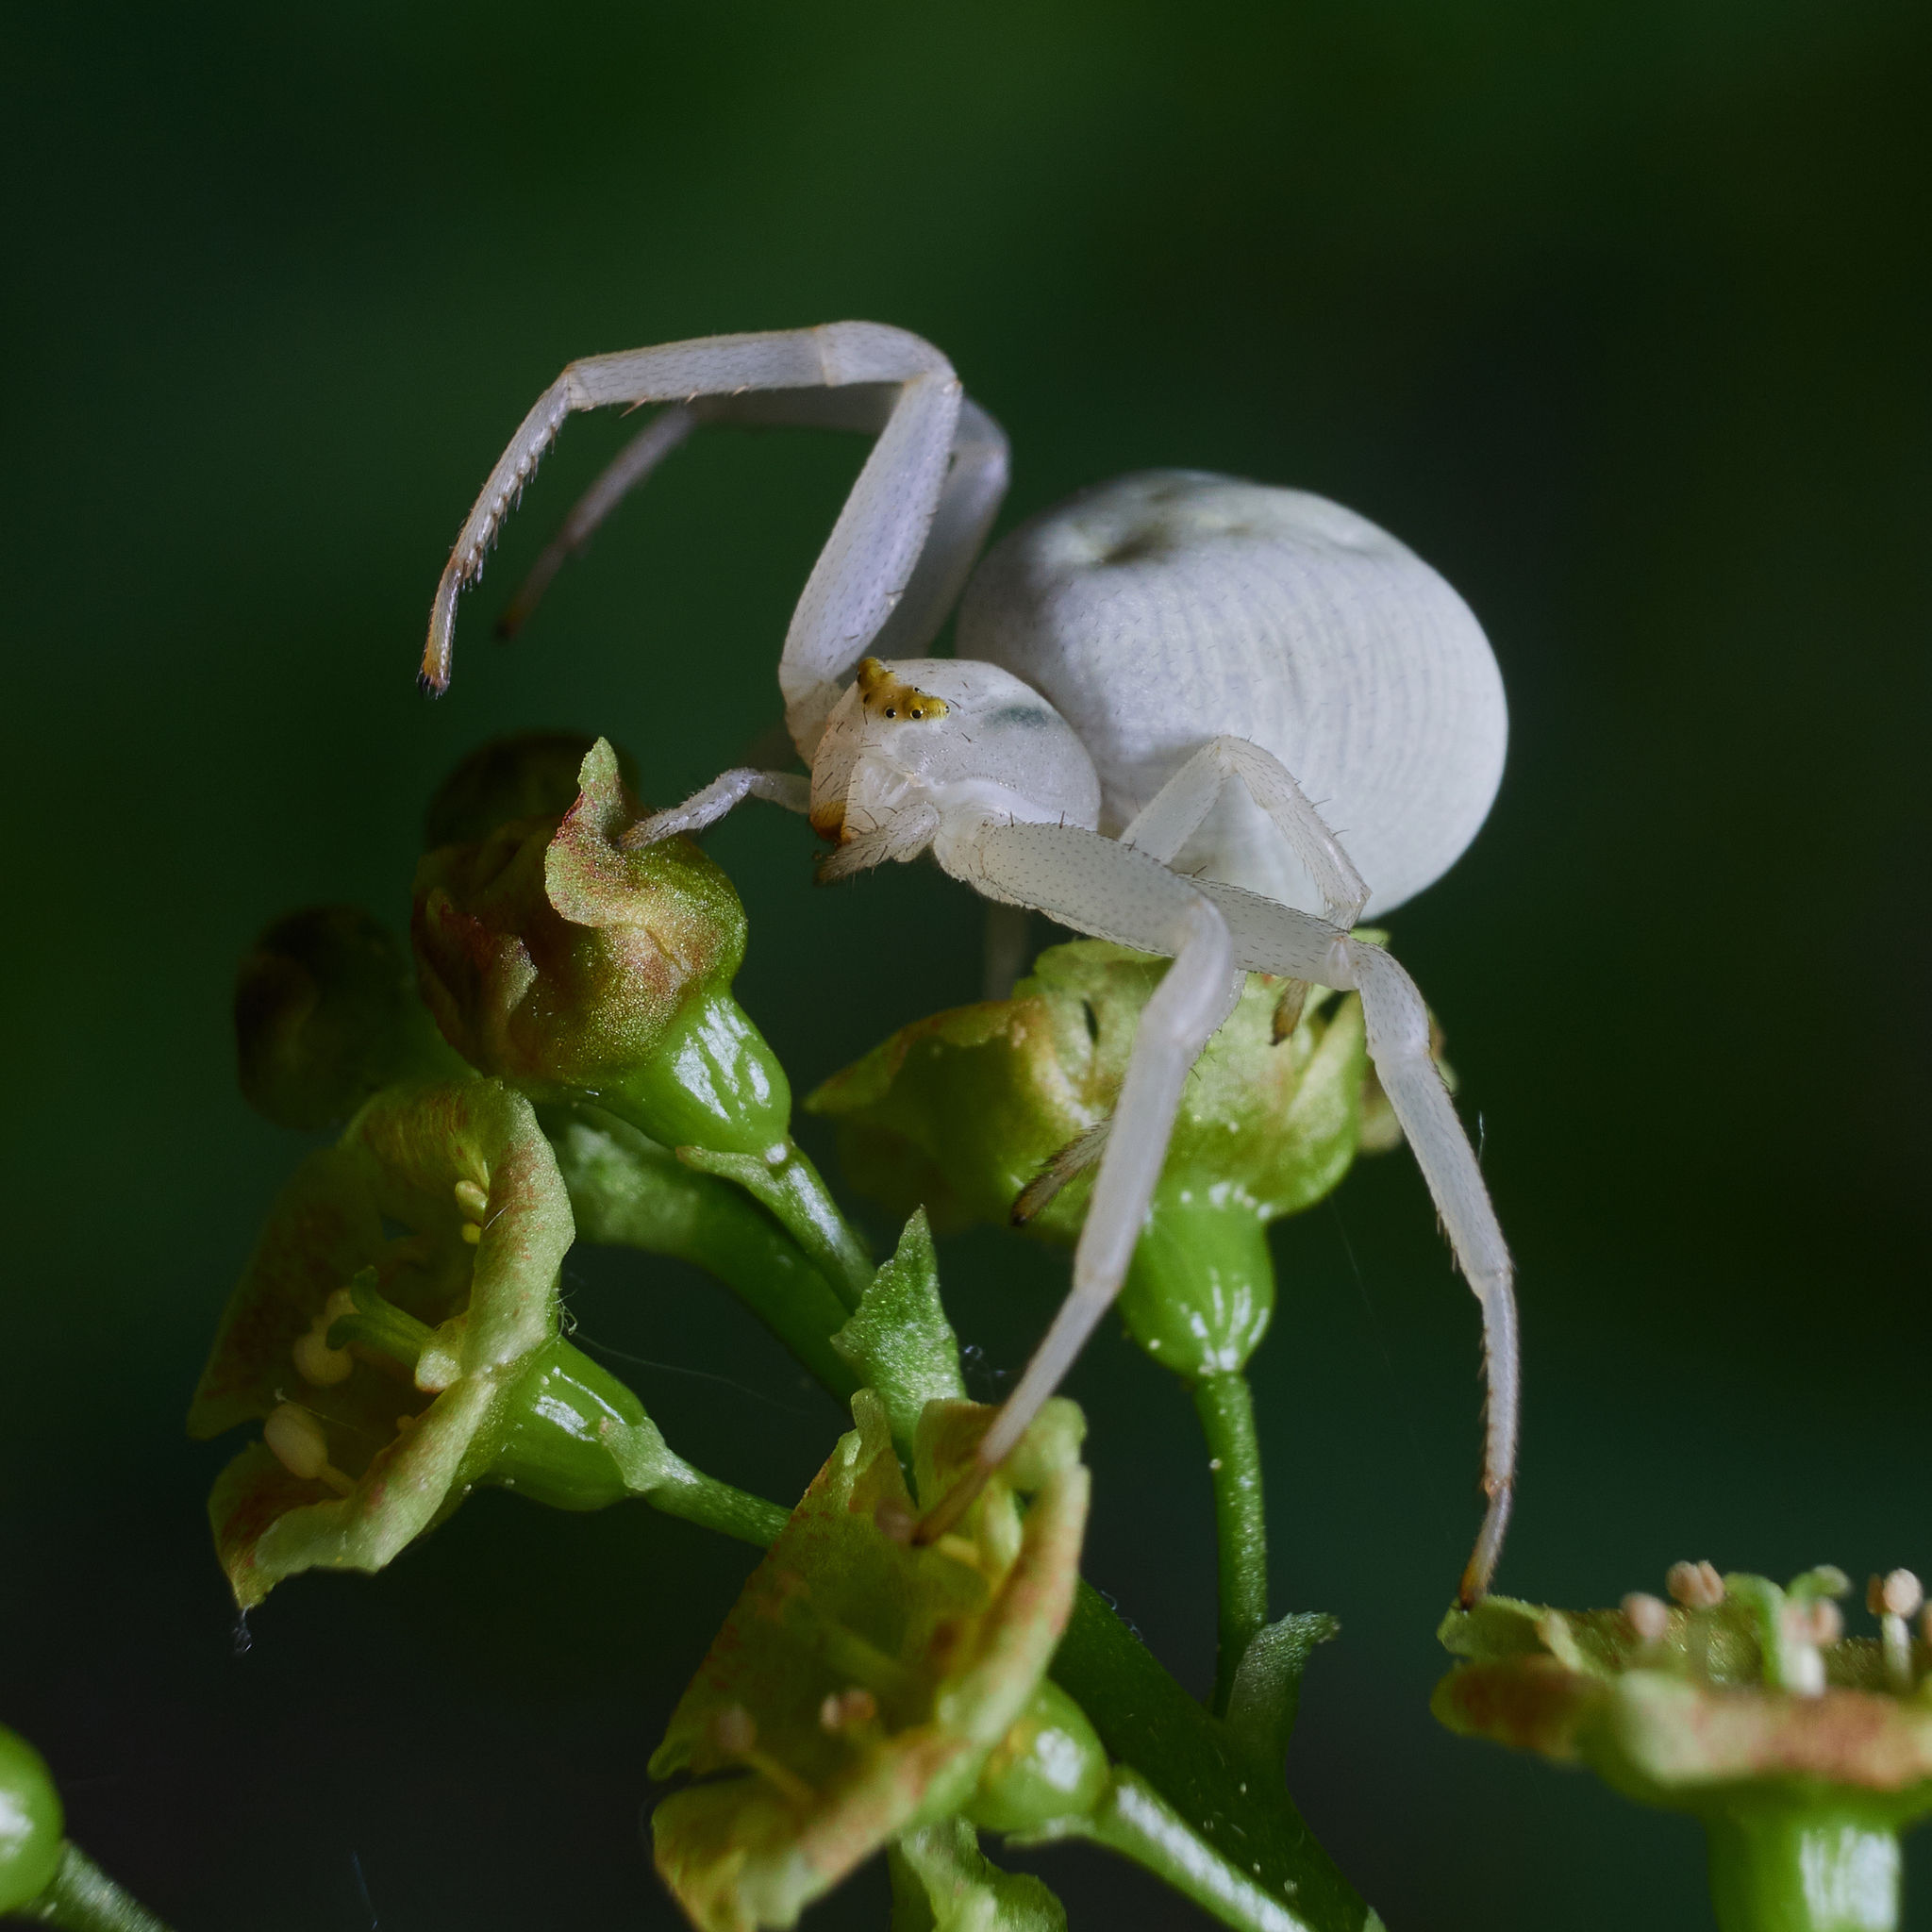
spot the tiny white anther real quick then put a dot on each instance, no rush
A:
(473, 1200)
(1649, 1616)
(1696, 1586)
(1898, 1593)
(472, 1232)
(340, 1303)
(297, 1441)
(317, 1362)
(1214, 1462)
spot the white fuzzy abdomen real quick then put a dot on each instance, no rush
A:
(1157, 611)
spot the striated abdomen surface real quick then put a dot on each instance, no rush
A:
(1159, 609)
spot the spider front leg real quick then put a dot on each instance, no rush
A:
(970, 499)
(870, 558)
(707, 805)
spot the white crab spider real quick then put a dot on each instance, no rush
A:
(1122, 657)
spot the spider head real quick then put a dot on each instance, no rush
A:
(955, 732)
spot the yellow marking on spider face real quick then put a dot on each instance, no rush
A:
(886, 695)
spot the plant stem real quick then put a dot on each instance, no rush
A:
(82, 1898)
(1240, 1526)
(1787, 1869)
(1135, 1820)
(627, 1191)
(795, 1191)
(703, 1500)
(1145, 1719)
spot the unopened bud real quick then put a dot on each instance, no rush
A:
(1649, 1616)
(325, 1015)
(1898, 1593)
(1696, 1586)
(561, 960)
(31, 1828)
(531, 776)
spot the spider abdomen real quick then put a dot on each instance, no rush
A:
(1161, 609)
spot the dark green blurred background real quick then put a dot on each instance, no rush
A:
(1616, 313)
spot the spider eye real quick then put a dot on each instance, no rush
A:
(891, 711)
(915, 714)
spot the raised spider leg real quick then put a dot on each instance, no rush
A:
(869, 560)
(728, 789)
(634, 461)
(1097, 886)
(1163, 825)
(976, 482)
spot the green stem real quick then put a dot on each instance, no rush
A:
(81, 1897)
(1240, 1526)
(1135, 1820)
(627, 1191)
(794, 1191)
(573, 1436)
(1786, 1869)
(1145, 1719)
(711, 1505)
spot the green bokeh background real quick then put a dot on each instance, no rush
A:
(1616, 312)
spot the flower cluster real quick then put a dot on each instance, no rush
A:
(997, 1112)
(393, 1371)
(1802, 1750)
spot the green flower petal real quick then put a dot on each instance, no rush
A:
(962, 1110)
(859, 1685)
(442, 1162)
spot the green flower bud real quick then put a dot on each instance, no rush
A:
(31, 1823)
(861, 1683)
(1802, 1752)
(963, 1110)
(1050, 1765)
(1200, 1290)
(394, 1372)
(530, 775)
(990, 1113)
(325, 1014)
(576, 969)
